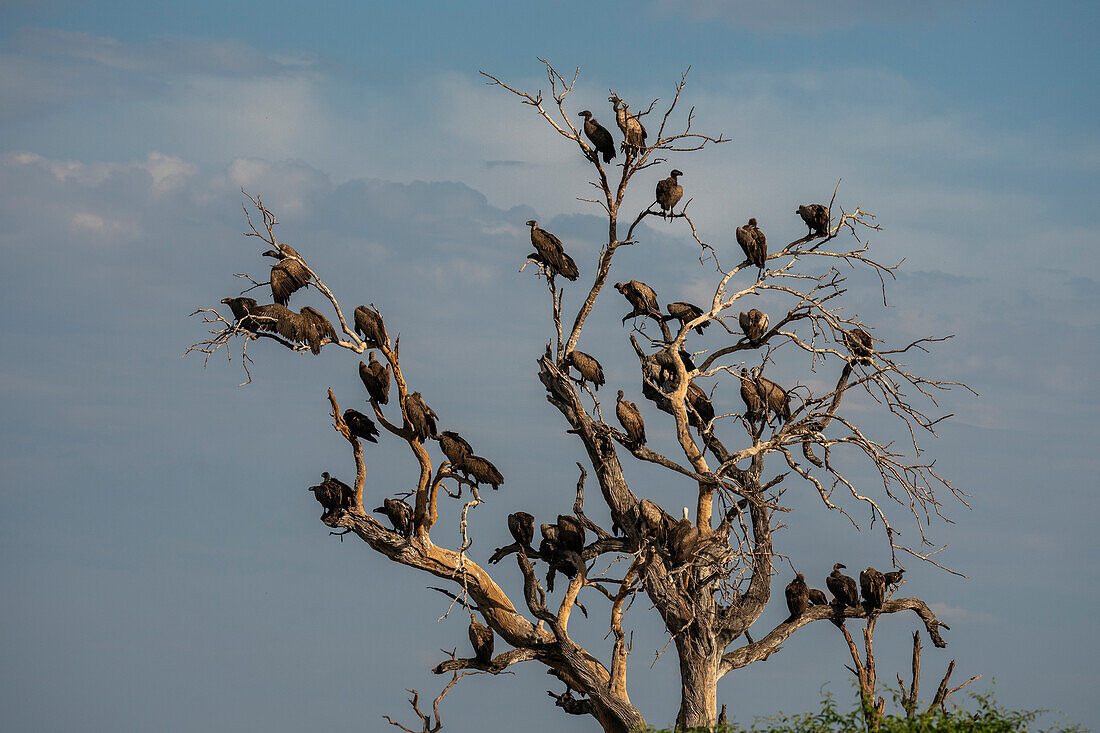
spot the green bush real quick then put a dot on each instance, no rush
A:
(982, 715)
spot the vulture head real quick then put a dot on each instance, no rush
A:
(273, 253)
(675, 173)
(585, 114)
(752, 222)
(532, 223)
(621, 287)
(838, 566)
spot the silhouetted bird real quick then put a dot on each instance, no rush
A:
(873, 586)
(860, 343)
(376, 378)
(400, 515)
(600, 137)
(421, 417)
(816, 217)
(481, 637)
(288, 274)
(798, 597)
(370, 326)
(361, 426)
(669, 192)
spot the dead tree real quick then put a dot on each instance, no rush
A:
(709, 577)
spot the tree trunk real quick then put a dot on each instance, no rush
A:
(698, 683)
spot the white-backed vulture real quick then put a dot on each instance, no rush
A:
(700, 410)
(818, 598)
(685, 313)
(550, 253)
(860, 343)
(481, 471)
(589, 368)
(816, 217)
(641, 297)
(893, 577)
(873, 586)
(242, 309)
(634, 133)
(370, 327)
(631, 420)
(288, 274)
(314, 327)
(376, 378)
(522, 527)
(421, 417)
(775, 398)
(669, 192)
(754, 243)
(754, 404)
(754, 324)
(400, 515)
(455, 447)
(570, 533)
(842, 587)
(798, 597)
(360, 425)
(600, 137)
(683, 541)
(481, 637)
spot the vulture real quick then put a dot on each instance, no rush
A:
(481, 471)
(754, 243)
(455, 447)
(652, 519)
(893, 577)
(329, 495)
(818, 598)
(754, 324)
(550, 253)
(775, 398)
(376, 378)
(683, 540)
(600, 137)
(332, 493)
(421, 417)
(686, 313)
(631, 420)
(288, 274)
(842, 587)
(522, 527)
(667, 362)
(641, 297)
(798, 597)
(816, 217)
(754, 405)
(669, 192)
(242, 308)
(360, 425)
(369, 325)
(860, 343)
(590, 369)
(313, 327)
(873, 586)
(570, 534)
(400, 515)
(722, 719)
(634, 134)
(701, 411)
(481, 637)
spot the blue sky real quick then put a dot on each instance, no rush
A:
(163, 566)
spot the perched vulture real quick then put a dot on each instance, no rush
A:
(818, 598)
(860, 343)
(481, 471)
(683, 541)
(589, 368)
(313, 327)
(798, 597)
(634, 134)
(242, 309)
(754, 243)
(455, 447)
(669, 192)
(893, 577)
(698, 404)
(754, 324)
(754, 405)
(775, 398)
(669, 370)
(522, 527)
(873, 586)
(631, 420)
(600, 137)
(551, 536)
(369, 325)
(277, 319)
(288, 274)
(842, 587)
(331, 494)
(421, 417)
(641, 297)
(652, 519)
(360, 425)
(481, 637)
(722, 719)
(550, 253)
(400, 515)
(816, 217)
(685, 313)
(376, 378)
(570, 533)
